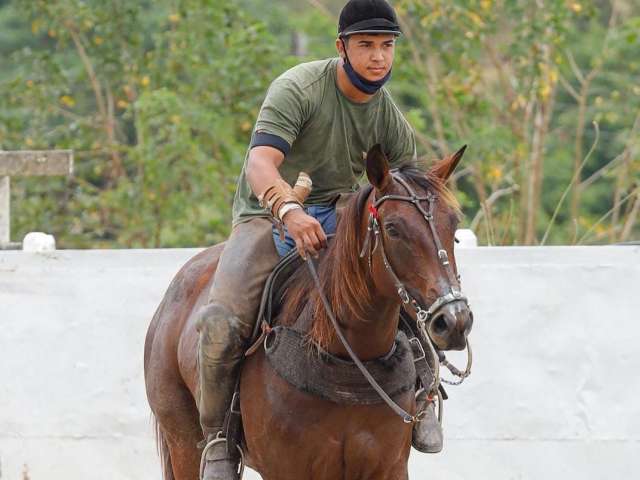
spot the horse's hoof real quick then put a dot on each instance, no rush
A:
(427, 433)
(216, 462)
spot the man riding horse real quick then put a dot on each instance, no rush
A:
(320, 118)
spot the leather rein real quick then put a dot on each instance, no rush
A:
(423, 314)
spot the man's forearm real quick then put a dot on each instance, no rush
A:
(267, 184)
(262, 174)
(262, 168)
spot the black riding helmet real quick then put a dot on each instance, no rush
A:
(368, 16)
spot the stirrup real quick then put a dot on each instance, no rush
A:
(220, 438)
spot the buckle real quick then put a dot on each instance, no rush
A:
(423, 355)
(235, 403)
(404, 295)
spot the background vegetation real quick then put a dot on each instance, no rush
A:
(158, 99)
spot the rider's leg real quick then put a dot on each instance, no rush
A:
(427, 434)
(225, 327)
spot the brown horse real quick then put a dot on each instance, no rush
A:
(290, 434)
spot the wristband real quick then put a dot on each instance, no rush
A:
(280, 194)
(286, 208)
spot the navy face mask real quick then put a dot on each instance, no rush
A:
(358, 81)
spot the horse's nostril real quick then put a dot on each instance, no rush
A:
(439, 325)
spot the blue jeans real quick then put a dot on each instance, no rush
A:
(325, 214)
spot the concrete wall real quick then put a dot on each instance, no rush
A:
(554, 390)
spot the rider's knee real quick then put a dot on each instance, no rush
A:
(218, 323)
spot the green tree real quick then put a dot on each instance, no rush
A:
(159, 100)
(497, 75)
(158, 108)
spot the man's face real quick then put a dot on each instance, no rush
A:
(370, 55)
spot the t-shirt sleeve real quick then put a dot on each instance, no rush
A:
(282, 116)
(401, 142)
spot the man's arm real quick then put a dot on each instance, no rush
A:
(262, 172)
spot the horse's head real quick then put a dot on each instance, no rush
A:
(412, 221)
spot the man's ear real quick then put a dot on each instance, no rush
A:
(444, 168)
(378, 168)
(340, 47)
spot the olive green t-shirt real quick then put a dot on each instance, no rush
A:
(323, 133)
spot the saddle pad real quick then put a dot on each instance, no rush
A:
(312, 370)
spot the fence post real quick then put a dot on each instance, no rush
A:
(5, 222)
(27, 163)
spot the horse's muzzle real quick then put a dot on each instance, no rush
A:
(450, 325)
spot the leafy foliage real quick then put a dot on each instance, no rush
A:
(158, 108)
(158, 102)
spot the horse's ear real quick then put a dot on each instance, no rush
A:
(378, 168)
(444, 168)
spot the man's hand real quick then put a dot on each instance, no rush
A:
(306, 231)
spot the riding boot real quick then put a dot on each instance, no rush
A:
(221, 349)
(217, 463)
(427, 433)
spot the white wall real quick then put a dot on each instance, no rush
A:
(554, 391)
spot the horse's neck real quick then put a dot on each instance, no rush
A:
(374, 337)
(370, 334)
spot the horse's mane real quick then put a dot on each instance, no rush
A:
(344, 276)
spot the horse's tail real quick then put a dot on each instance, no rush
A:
(163, 451)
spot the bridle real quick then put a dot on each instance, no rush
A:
(423, 315)
(373, 230)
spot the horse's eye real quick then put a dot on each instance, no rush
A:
(391, 230)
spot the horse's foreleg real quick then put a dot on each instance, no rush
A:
(182, 432)
(185, 457)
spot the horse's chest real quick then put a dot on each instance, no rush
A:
(334, 448)
(293, 435)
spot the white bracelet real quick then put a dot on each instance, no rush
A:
(286, 208)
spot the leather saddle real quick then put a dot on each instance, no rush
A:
(275, 289)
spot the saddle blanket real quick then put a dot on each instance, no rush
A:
(312, 370)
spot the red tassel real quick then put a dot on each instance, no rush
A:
(373, 211)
